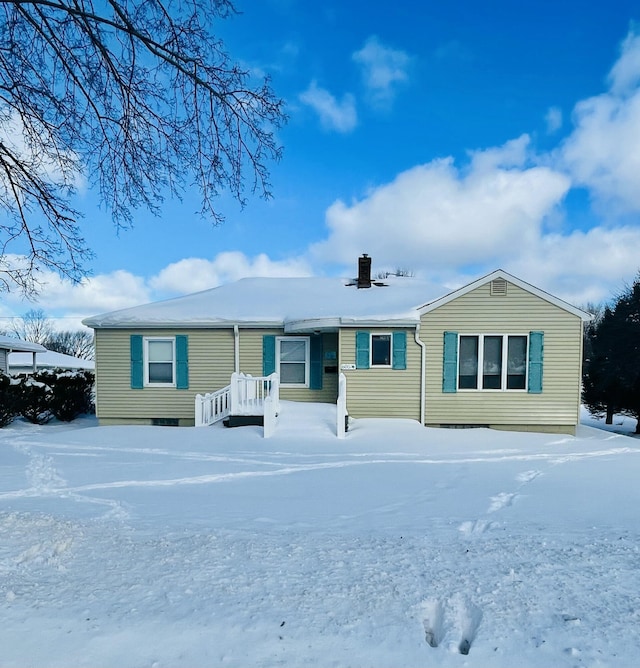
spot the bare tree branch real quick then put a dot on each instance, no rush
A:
(137, 97)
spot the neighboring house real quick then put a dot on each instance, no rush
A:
(20, 362)
(497, 352)
(9, 344)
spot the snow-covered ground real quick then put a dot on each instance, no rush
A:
(397, 546)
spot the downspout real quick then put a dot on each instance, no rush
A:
(236, 349)
(422, 371)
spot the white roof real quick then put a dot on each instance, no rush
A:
(11, 343)
(49, 360)
(302, 304)
(296, 303)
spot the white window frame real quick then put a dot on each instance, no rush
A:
(380, 366)
(307, 359)
(503, 371)
(145, 358)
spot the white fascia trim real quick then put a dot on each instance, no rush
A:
(382, 322)
(499, 273)
(184, 324)
(310, 325)
(335, 323)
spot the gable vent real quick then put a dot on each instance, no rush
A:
(498, 287)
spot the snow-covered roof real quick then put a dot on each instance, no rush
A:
(11, 343)
(49, 360)
(302, 304)
(296, 303)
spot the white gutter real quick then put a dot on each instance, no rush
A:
(422, 371)
(236, 349)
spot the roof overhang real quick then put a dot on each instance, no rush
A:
(19, 346)
(336, 323)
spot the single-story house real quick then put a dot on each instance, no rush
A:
(9, 344)
(497, 352)
(45, 360)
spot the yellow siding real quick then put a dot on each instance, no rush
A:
(251, 362)
(382, 392)
(211, 363)
(518, 312)
(210, 368)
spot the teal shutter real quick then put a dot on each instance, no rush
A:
(315, 355)
(362, 350)
(268, 354)
(399, 357)
(182, 362)
(536, 354)
(450, 362)
(137, 375)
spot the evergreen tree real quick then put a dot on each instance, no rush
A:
(612, 371)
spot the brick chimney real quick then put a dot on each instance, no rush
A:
(364, 271)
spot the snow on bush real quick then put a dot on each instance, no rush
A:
(7, 400)
(41, 396)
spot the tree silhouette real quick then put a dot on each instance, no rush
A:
(138, 98)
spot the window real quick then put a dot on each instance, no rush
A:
(159, 361)
(292, 360)
(482, 364)
(381, 350)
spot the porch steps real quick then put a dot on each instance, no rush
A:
(243, 420)
(303, 419)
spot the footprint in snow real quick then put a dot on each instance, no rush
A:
(501, 501)
(456, 617)
(528, 476)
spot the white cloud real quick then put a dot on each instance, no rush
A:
(383, 69)
(583, 266)
(59, 168)
(195, 274)
(435, 217)
(603, 152)
(513, 153)
(97, 294)
(553, 119)
(625, 74)
(69, 303)
(334, 115)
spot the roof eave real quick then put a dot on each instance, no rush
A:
(194, 324)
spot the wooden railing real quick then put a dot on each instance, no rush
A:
(245, 395)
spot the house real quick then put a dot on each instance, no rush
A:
(21, 362)
(9, 344)
(497, 352)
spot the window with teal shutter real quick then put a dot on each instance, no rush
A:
(137, 368)
(450, 362)
(362, 350)
(182, 362)
(399, 350)
(536, 354)
(268, 354)
(315, 371)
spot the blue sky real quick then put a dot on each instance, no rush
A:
(450, 139)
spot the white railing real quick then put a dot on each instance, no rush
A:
(212, 407)
(248, 393)
(245, 395)
(341, 407)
